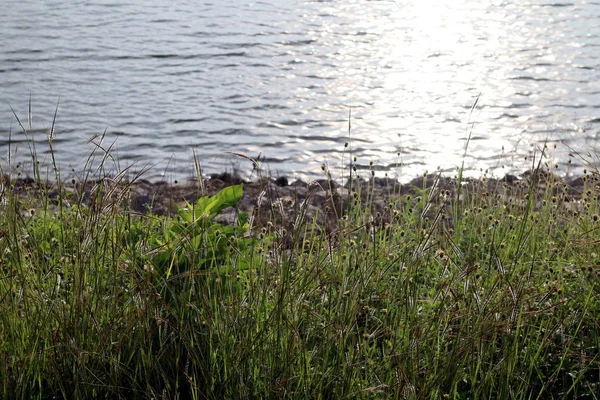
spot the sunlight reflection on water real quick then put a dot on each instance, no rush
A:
(279, 79)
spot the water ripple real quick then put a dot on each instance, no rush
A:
(283, 78)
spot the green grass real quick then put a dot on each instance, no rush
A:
(492, 296)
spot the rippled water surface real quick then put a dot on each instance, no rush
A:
(169, 78)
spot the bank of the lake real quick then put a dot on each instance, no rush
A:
(441, 288)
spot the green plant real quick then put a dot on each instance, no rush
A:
(196, 239)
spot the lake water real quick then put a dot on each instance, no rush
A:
(165, 79)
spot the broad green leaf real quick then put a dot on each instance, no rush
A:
(200, 208)
(227, 197)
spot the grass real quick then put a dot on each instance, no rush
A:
(493, 295)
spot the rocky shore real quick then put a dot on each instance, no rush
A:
(325, 200)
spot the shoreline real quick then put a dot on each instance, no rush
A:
(324, 198)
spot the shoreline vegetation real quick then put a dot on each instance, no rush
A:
(219, 288)
(162, 198)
